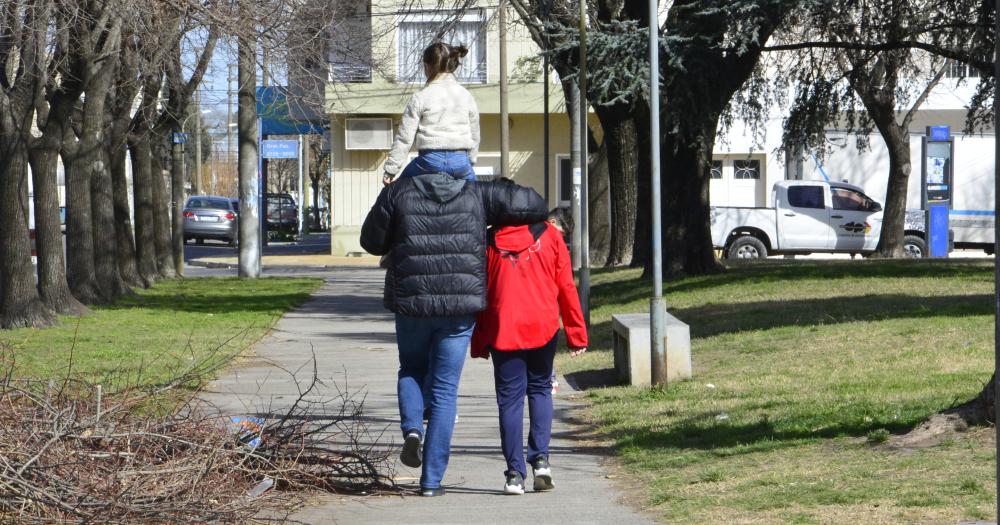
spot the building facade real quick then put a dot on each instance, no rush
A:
(374, 68)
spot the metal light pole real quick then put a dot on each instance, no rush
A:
(657, 306)
(302, 185)
(198, 188)
(996, 239)
(584, 183)
(504, 118)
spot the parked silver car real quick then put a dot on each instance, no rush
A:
(208, 217)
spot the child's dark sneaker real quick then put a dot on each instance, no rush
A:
(514, 484)
(542, 473)
(410, 456)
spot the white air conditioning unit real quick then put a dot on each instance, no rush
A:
(368, 134)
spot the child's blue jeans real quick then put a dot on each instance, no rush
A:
(518, 374)
(453, 162)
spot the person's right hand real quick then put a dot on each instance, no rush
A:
(577, 352)
(386, 179)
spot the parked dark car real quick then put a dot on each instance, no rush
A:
(282, 213)
(208, 217)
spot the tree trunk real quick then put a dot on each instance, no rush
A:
(80, 256)
(890, 242)
(250, 214)
(622, 141)
(177, 207)
(21, 305)
(161, 210)
(95, 165)
(142, 190)
(128, 265)
(684, 176)
(53, 287)
(598, 205)
(642, 243)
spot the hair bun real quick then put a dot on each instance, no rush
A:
(458, 51)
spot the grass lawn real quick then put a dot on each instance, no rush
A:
(162, 330)
(801, 369)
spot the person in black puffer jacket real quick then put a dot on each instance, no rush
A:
(434, 229)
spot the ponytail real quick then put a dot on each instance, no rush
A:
(442, 58)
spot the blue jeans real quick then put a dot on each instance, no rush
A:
(453, 162)
(519, 373)
(432, 352)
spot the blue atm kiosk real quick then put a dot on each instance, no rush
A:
(937, 188)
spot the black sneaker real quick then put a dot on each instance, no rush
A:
(410, 456)
(431, 493)
(514, 484)
(542, 472)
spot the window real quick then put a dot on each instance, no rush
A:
(716, 169)
(746, 169)
(208, 204)
(565, 180)
(845, 199)
(806, 197)
(956, 69)
(417, 32)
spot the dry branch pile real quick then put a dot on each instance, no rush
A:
(69, 454)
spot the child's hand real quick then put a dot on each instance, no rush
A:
(577, 352)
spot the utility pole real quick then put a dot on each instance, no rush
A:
(302, 185)
(177, 177)
(230, 78)
(574, 159)
(657, 306)
(249, 257)
(545, 112)
(996, 238)
(198, 188)
(504, 118)
(584, 165)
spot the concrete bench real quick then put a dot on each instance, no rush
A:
(630, 339)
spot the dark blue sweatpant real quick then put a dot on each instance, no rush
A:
(519, 373)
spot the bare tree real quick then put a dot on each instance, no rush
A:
(57, 90)
(23, 27)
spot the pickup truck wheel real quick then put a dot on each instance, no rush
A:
(747, 247)
(914, 247)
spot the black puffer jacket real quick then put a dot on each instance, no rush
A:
(434, 226)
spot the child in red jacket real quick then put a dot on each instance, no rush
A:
(530, 285)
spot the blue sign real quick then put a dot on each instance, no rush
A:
(939, 133)
(281, 113)
(937, 229)
(279, 149)
(180, 138)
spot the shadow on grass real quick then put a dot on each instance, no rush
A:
(626, 291)
(717, 319)
(262, 301)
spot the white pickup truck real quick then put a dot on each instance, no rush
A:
(808, 217)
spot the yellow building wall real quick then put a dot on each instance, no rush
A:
(357, 175)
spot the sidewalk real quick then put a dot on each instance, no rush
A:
(350, 333)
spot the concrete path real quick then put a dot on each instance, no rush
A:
(352, 336)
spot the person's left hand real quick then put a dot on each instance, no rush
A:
(386, 179)
(577, 352)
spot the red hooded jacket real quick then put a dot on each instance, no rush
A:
(529, 284)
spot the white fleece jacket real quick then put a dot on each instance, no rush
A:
(442, 115)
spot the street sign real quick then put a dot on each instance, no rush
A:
(279, 149)
(939, 133)
(180, 138)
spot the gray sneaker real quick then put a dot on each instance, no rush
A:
(410, 456)
(542, 472)
(514, 484)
